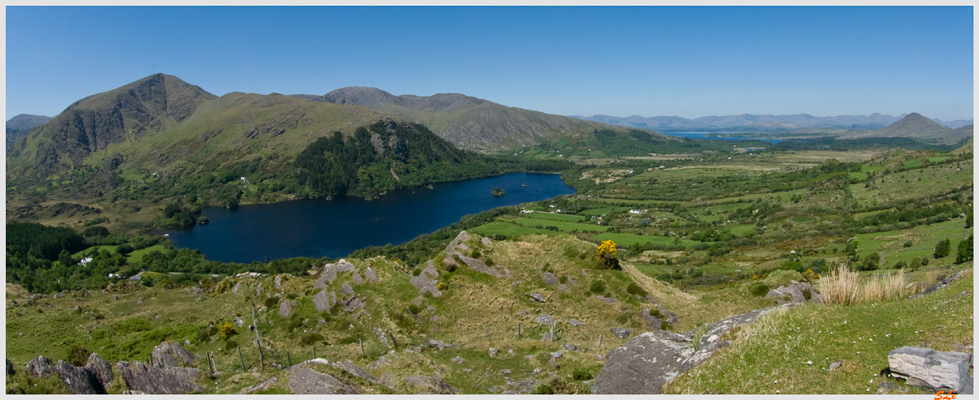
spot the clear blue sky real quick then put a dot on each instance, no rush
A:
(648, 61)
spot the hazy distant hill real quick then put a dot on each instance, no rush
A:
(467, 121)
(918, 127)
(954, 124)
(749, 122)
(21, 124)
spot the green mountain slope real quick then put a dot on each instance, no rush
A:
(127, 114)
(469, 122)
(160, 138)
(21, 124)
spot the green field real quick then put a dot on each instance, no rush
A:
(555, 217)
(561, 225)
(509, 229)
(137, 256)
(631, 239)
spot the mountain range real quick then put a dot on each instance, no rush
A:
(466, 121)
(759, 122)
(161, 127)
(918, 127)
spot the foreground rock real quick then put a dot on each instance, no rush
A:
(649, 360)
(169, 354)
(101, 369)
(474, 263)
(78, 380)
(434, 385)
(155, 380)
(304, 380)
(426, 281)
(932, 369)
(796, 292)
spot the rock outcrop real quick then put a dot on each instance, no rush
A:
(78, 380)
(474, 263)
(321, 301)
(304, 380)
(370, 275)
(432, 384)
(169, 354)
(285, 309)
(651, 359)
(426, 281)
(155, 380)
(932, 369)
(261, 386)
(101, 369)
(795, 292)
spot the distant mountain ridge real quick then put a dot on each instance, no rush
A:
(467, 121)
(918, 127)
(757, 122)
(19, 125)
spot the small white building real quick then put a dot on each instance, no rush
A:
(634, 211)
(526, 211)
(85, 261)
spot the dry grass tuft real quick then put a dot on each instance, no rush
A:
(842, 286)
(881, 288)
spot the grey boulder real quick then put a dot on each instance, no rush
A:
(304, 380)
(932, 369)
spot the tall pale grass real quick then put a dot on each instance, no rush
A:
(840, 287)
(882, 288)
(843, 286)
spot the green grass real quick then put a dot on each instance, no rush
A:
(740, 230)
(508, 229)
(555, 217)
(561, 225)
(602, 211)
(137, 255)
(915, 163)
(110, 249)
(924, 239)
(860, 176)
(631, 239)
(778, 347)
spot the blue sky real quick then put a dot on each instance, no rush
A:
(648, 61)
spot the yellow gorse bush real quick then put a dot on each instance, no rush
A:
(226, 330)
(607, 248)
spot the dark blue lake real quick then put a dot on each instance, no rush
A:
(335, 228)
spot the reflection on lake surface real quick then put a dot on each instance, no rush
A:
(334, 228)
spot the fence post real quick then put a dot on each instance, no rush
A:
(518, 329)
(289, 357)
(552, 330)
(395, 341)
(242, 360)
(599, 342)
(314, 351)
(261, 356)
(361, 347)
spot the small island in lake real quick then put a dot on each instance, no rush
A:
(498, 192)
